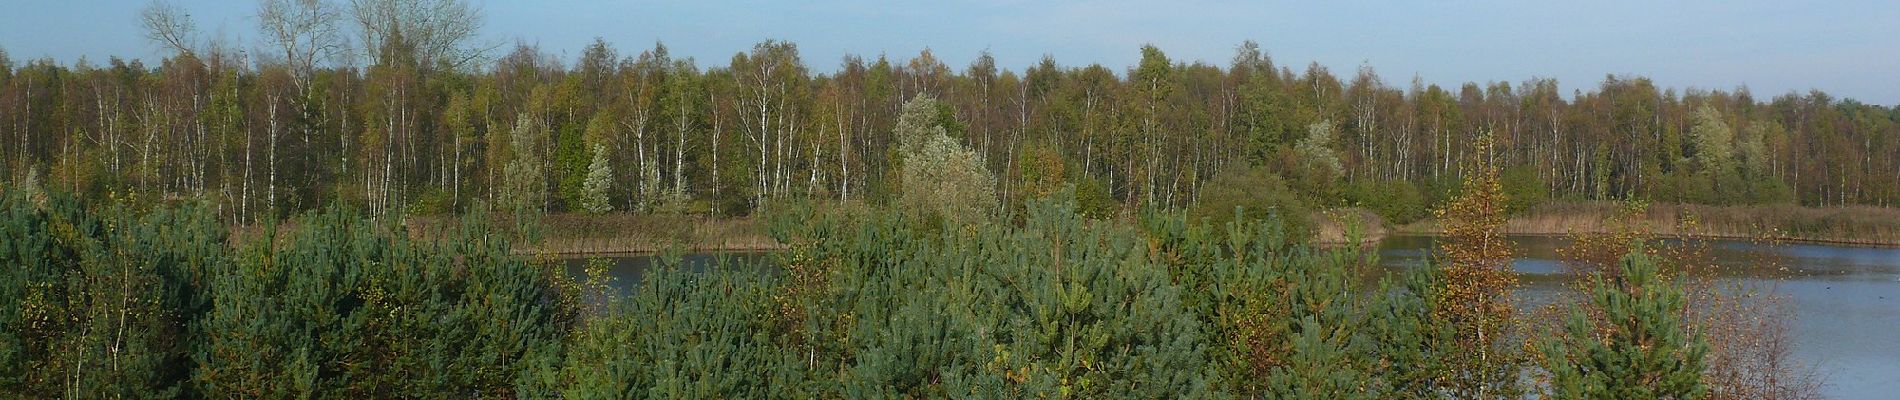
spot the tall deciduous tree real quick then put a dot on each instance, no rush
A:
(305, 32)
(442, 32)
(1478, 283)
(524, 186)
(1714, 141)
(942, 177)
(169, 26)
(599, 182)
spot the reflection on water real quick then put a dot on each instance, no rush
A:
(1846, 300)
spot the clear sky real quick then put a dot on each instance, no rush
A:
(1849, 48)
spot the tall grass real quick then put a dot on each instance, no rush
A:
(569, 234)
(1850, 225)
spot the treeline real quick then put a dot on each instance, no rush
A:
(425, 124)
(104, 300)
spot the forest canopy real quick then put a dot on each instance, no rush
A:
(415, 116)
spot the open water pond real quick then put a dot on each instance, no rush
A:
(1846, 300)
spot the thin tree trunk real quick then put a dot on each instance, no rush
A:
(272, 187)
(713, 102)
(679, 154)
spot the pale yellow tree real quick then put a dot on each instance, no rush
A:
(941, 177)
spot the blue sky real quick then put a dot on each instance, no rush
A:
(1847, 48)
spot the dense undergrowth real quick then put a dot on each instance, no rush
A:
(107, 301)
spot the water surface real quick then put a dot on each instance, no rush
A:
(1845, 300)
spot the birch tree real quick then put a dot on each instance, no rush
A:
(170, 27)
(442, 31)
(305, 31)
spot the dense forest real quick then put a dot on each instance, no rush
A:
(415, 116)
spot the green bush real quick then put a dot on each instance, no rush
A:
(1060, 306)
(1284, 318)
(1398, 202)
(432, 202)
(1523, 190)
(106, 302)
(1769, 190)
(682, 334)
(348, 308)
(1093, 200)
(942, 179)
(1721, 189)
(100, 302)
(1439, 190)
(1629, 342)
(1252, 193)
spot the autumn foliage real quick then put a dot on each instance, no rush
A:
(1478, 284)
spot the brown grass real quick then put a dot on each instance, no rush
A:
(1851, 225)
(619, 233)
(1332, 226)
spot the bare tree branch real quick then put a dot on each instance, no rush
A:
(304, 30)
(168, 25)
(442, 31)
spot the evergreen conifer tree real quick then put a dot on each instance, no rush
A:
(1631, 342)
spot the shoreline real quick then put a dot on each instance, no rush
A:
(641, 253)
(569, 236)
(1407, 231)
(641, 250)
(1854, 226)
(1330, 227)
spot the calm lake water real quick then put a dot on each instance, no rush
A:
(1846, 300)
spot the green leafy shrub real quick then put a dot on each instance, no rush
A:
(1093, 200)
(1398, 202)
(1413, 350)
(942, 179)
(1523, 190)
(432, 202)
(1253, 193)
(1058, 307)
